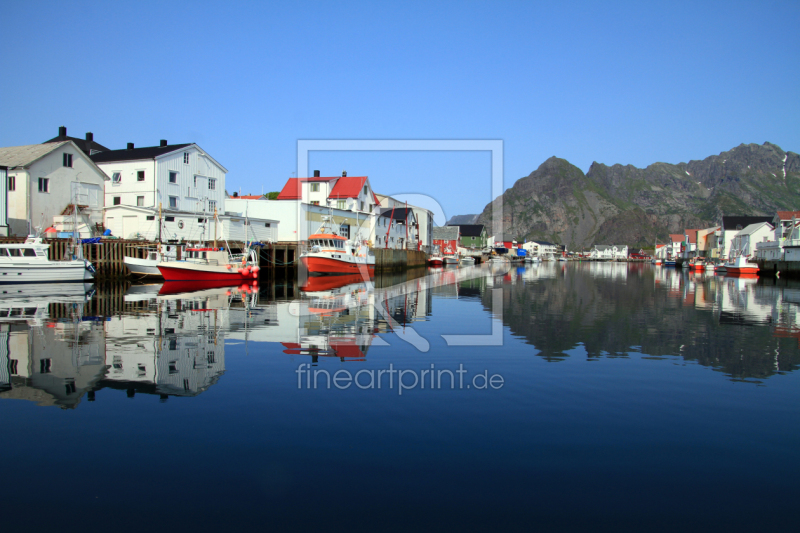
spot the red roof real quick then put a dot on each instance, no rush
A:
(692, 233)
(676, 237)
(348, 187)
(248, 197)
(787, 215)
(293, 188)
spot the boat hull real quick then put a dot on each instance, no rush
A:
(183, 271)
(327, 265)
(451, 260)
(47, 272)
(143, 267)
(437, 262)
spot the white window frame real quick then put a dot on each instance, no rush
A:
(116, 200)
(116, 178)
(143, 174)
(314, 187)
(67, 160)
(185, 158)
(169, 177)
(212, 184)
(173, 205)
(46, 183)
(341, 204)
(212, 204)
(140, 201)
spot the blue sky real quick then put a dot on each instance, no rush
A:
(614, 82)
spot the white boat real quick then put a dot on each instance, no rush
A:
(451, 259)
(27, 262)
(533, 259)
(148, 267)
(467, 260)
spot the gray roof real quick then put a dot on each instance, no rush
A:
(752, 228)
(445, 233)
(22, 156)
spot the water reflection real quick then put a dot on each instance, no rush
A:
(169, 340)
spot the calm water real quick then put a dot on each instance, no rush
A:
(622, 397)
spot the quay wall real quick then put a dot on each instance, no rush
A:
(387, 260)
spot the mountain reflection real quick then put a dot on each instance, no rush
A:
(739, 326)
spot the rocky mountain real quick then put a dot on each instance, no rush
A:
(627, 205)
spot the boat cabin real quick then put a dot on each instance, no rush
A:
(327, 242)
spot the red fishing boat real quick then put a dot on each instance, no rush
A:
(330, 253)
(212, 264)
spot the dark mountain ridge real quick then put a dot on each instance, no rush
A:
(623, 204)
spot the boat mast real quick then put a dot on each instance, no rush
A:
(215, 227)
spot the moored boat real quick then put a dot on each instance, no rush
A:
(148, 266)
(467, 260)
(330, 253)
(740, 265)
(28, 262)
(212, 264)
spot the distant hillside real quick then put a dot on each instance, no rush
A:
(462, 219)
(628, 205)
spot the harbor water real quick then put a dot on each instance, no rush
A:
(561, 396)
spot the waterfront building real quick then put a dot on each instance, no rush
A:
(731, 225)
(446, 238)
(744, 243)
(785, 242)
(178, 177)
(423, 218)
(44, 180)
(4, 201)
(473, 236)
(609, 252)
(397, 228)
(708, 242)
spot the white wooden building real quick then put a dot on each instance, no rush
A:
(127, 222)
(45, 179)
(180, 177)
(609, 252)
(4, 201)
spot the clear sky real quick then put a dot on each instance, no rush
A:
(613, 82)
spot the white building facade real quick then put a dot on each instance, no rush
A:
(44, 180)
(179, 177)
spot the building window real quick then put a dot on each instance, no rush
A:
(173, 176)
(186, 157)
(212, 205)
(12, 183)
(44, 184)
(365, 189)
(266, 224)
(12, 366)
(67, 160)
(45, 366)
(212, 184)
(315, 187)
(315, 202)
(169, 219)
(344, 231)
(341, 204)
(151, 217)
(173, 202)
(116, 177)
(361, 206)
(140, 201)
(117, 200)
(140, 175)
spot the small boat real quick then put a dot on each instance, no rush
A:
(148, 267)
(533, 259)
(212, 264)
(740, 265)
(467, 260)
(435, 259)
(451, 259)
(27, 262)
(330, 253)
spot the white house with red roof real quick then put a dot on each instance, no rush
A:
(349, 193)
(785, 245)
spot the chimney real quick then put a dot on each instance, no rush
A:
(344, 173)
(130, 146)
(163, 142)
(316, 173)
(62, 131)
(235, 194)
(89, 136)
